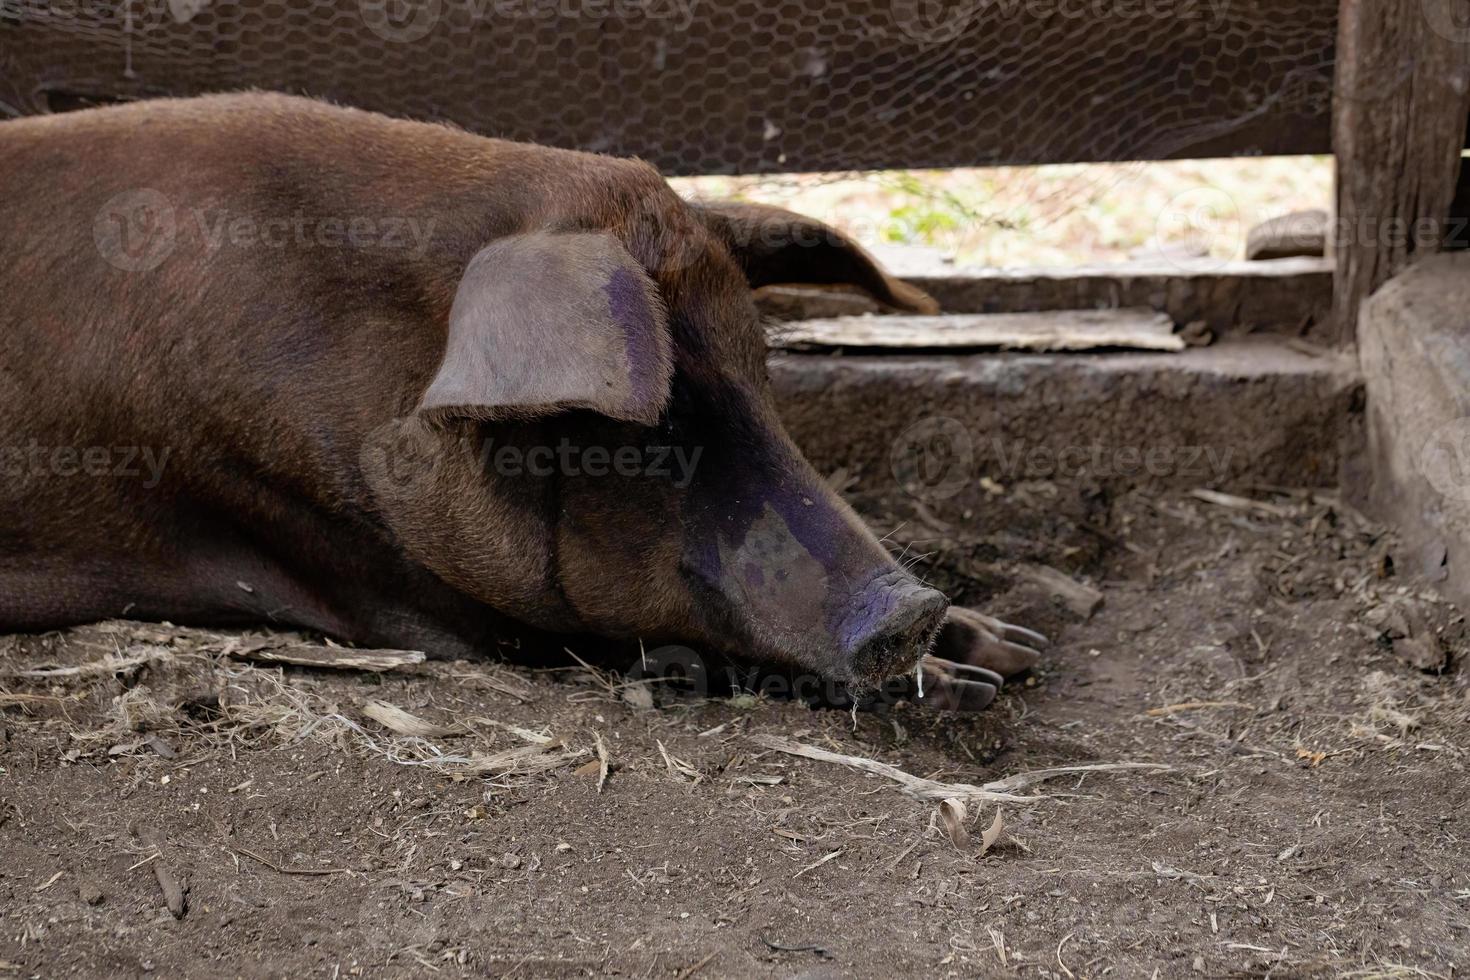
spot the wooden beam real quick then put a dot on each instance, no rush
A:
(1400, 102)
(1061, 330)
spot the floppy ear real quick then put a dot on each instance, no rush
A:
(544, 322)
(774, 245)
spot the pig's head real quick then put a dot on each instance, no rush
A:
(608, 456)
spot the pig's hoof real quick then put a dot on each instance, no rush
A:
(951, 686)
(974, 639)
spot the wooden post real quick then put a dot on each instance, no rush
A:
(1400, 102)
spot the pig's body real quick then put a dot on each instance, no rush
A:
(284, 367)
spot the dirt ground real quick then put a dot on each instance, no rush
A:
(1302, 697)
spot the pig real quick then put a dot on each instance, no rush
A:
(271, 361)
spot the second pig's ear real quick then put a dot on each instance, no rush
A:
(776, 246)
(546, 322)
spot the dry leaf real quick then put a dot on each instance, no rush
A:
(991, 834)
(637, 695)
(952, 818)
(602, 761)
(527, 760)
(1314, 759)
(400, 722)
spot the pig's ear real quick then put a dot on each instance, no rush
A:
(545, 322)
(774, 245)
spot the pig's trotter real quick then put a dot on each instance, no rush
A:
(971, 658)
(950, 686)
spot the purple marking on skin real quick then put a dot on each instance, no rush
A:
(628, 303)
(755, 471)
(759, 473)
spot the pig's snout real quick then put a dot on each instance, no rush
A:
(892, 623)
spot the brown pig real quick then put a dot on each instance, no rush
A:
(264, 360)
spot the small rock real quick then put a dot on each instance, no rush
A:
(1422, 652)
(510, 861)
(90, 893)
(1300, 233)
(1197, 333)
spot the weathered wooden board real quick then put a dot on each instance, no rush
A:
(1402, 95)
(1058, 330)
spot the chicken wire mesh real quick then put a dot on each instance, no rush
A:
(748, 86)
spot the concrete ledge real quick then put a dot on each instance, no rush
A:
(1291, 296)
(1252, 411)
(1283, 296)
(1414, 339)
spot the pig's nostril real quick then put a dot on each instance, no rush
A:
(897, 642)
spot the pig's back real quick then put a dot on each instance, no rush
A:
(256, 366)
(243, 308)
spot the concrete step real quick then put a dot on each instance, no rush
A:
(1287, 296)
(1249, 411)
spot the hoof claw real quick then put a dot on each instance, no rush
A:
(973, 656)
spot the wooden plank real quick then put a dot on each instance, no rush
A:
(1401, 98)
(1060, 330)
(336, 658)
(1283, 296)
